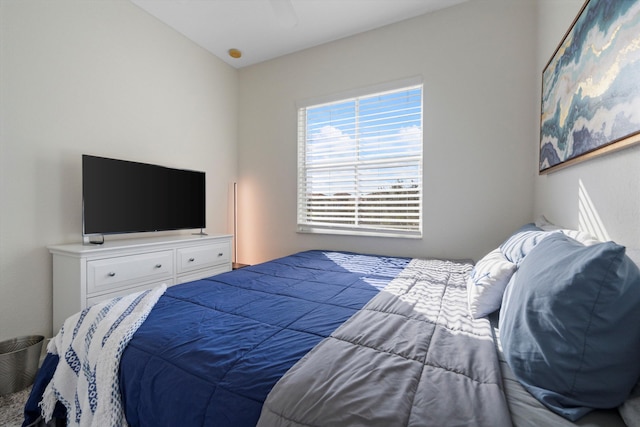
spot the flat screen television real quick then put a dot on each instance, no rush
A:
(121, 196)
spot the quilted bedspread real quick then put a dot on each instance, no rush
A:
(211, 350)
(411, 357)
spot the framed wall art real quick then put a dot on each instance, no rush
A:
(591, 86)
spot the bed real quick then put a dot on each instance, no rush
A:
(339, 338)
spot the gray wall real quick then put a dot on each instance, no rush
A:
(477, 60)
(103, 78)
(602, 195)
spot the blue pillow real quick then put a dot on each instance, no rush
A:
(521, 242)
(570, 325)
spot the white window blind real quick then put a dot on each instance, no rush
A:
(360, 164)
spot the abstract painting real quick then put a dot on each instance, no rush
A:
(591, 86)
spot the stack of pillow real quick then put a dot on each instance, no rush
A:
(569, 317)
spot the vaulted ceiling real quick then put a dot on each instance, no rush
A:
(265, 29)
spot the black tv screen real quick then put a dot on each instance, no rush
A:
(121, 196)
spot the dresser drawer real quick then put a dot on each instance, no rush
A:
(201, 274)
(195, 258)
(110, 273)
(125, 291)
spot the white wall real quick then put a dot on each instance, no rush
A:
(105, 78)
(601, 195)
(478, 65)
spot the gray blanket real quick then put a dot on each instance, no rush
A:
(411, 357)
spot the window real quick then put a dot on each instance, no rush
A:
(360, 164)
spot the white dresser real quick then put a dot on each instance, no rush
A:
(86, 274)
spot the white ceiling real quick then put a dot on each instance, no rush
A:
(266, 29)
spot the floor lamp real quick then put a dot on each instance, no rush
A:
(236, 265)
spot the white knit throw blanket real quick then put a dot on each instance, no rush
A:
(89, 346)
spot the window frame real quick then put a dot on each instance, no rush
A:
(416, 162)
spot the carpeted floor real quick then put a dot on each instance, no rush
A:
(11, 407)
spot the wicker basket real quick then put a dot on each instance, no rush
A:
(19, 360)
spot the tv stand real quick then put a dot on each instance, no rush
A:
(84, 275)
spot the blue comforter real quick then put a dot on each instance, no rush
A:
(211, 350)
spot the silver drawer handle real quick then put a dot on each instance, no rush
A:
(191, 259)
(111, 274)
(158, 265)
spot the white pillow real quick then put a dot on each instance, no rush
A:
(630, 409)
(545, 224)
(487, 282)
(581, 236)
